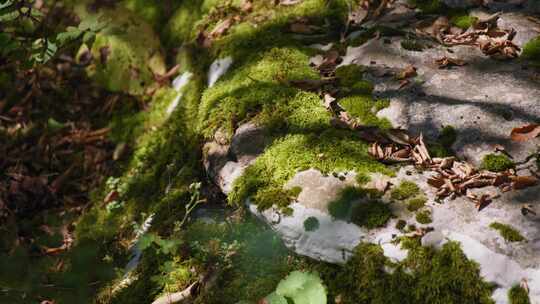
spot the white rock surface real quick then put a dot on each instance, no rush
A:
(217, 69)
(178, 84)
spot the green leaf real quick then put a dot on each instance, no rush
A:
(274, 298)
(71, 34)
(302, 288)
(146, 241)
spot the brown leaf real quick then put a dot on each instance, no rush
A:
(408, 72)
(104, 54)
(522, 182)
(329, 101)
(302, 28)
(448, 62)
(289, 2)
(221, 28)
(247, 6)
(525, 133)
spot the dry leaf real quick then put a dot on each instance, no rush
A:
(448, 62)
(289, 2)
(408, 72)
(521, 182)
(525, 133)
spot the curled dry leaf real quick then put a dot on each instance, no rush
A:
(522, 182)
(525, 133)
(445, 62)
(288, 2)
(408, 72)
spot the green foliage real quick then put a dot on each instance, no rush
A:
(518, 295)
(405, 190)
(126, 53)
(362, 179)
(371, 214)
(508, 232)
(311, 224)
(416, 203)
(531, 51)
(497, 162)
(302, 288)
(423, 217)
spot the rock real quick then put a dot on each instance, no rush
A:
(217, 69)
(483, 100)
(460, 3)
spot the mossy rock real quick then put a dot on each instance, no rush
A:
(371, 214)
(424, 217)
(311, 224)
(416, 203)
(531, 51)
(497, 162)
(126, 53)
(518, 295)
(405, 190)
(508, 232)
(463, 21)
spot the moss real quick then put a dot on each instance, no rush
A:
(416, 203)
(295, 152)
(531, 51)
(405, 190)
(151, 11)
(425, 276)
(351, 80)
(362, 179)
(127, 54)
(518, 295)
(400, 224)
(423, 217)
(448, 136)
(341, 207)
(259, 90)
(311, 224)
(364, 108)
(463, 21)
(371, 214)
(497, 162)
(507, 232)
(412, 45)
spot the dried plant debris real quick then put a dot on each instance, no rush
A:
(491, 40)
(446, 62)
(452, 177)
(525, 133)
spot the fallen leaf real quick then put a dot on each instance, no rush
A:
(522, 182)
(409, 71)
(221, 28)
(289, 2)
(302, 28)
(525, 133)
(448, 62)
(247, 6)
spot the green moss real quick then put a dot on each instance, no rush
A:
(497, 162)
(259, 90)
(127, 54)
(518, 295)
(463, 21)
(364, 108)
(448, 136)
(311, 224)
(296, 152)
(416, 203)
(412, 45)
(362, 179)
(425, 276)
(400, 224)
(405, 190)
(371, 214)
(151, 11)
(341, 207)
(531, 51)
(507, 232)
(423, 217)
(351, 80)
